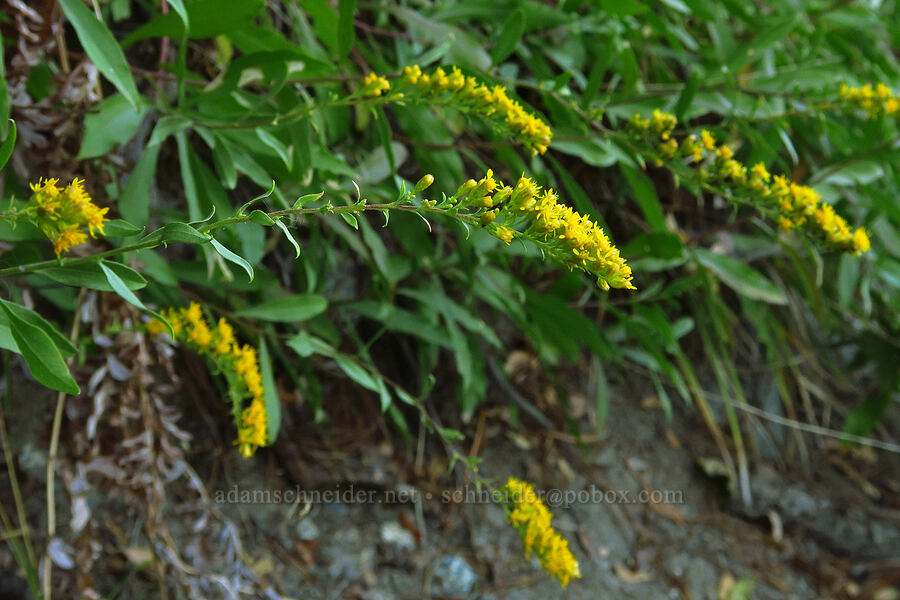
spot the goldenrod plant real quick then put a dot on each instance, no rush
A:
(531, 517)
(792, 205)
(656, 193)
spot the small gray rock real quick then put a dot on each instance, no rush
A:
(397, 539)
(452, 576)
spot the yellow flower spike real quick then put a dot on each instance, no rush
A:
(792, 205)
(567, 236)
(239, 363)
(875, 102)
(252, 430)
(861, 241)
(527, 513)
(467, 94)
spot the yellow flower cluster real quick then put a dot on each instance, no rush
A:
(795, 206)
(238, 363)
(530, 516)
(567, 236)
(875, 102)
(374, 84)
(467, 94)
(62, 214)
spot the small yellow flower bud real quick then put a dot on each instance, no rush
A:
(424, 183)
(488, 218)
(503, 195)
(465, 188)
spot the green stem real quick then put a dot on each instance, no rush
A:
(352, 208)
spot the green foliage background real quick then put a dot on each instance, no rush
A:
(403, 308)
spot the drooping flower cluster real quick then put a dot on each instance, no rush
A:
(529, 212)
(239, 364)
(63, 214)
(874, 101)
(794, 206)
(467, 94)
(527, 513)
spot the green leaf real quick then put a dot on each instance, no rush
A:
(179, 7)
(306, 199)
(687, 95)
(168, 125)
(345, 30)
(40, 353)
(261, 218)
(306, 345)
(299, 307)
(262, 196)
(510, 35)
(62, 343)
(270, 393)
(7, 341)
(351, 220)
(740, 277)
(177, 232)
(121, 289)
(207, 19)
(8, 144)
(113, 122)
(325, 22)
(232, 257)
(279, 147)
(4, 100)
(623, 8)
(134, 203)
(645, 194)
(102, 49)
(356, 372)
(287, 234)
(92, 276)
(120, 229)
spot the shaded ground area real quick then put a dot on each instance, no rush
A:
(379, 518)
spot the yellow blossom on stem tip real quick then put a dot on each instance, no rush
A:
(874, 101)
(465, 93)
(62, 214)
(374, 85)
(570, 238)
(527, 513)
(239, 364)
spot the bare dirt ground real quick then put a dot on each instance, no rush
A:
(152, 502)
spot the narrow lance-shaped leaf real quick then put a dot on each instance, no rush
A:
(509, 37)
(232, 257)
(270, 393)
(298, 307)
(4, 100)
(345, 30)
(102, 48)
(740, 277)
(290, 238)
(179, 7)
(8, 144)
(128, 296)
